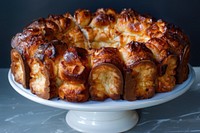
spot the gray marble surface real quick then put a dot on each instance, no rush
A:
(20, 115)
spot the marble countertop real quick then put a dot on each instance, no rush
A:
(20, 115)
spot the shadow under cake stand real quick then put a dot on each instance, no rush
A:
(107, 116)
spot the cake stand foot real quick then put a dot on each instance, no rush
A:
(102, 122)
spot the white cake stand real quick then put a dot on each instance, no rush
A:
(108, 116)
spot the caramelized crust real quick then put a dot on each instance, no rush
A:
(129, 92)
(73, 70)
(73, 67)
(44, 81)
(134, 52)
(39, 82)
(167, 80)
(106, 55)
(103, 17)
(73, 92)
(106, 81)
(100, 55)
(159, 48)
(144, 75)
(182, 68)
(19, 68)
(83, 17)
(180, 45)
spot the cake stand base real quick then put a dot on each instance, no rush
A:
(102, 122)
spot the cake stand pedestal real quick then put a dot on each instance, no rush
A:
(102, 122)
(109, 116)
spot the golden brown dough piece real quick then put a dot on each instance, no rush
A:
(73, 92)
(44, 68)
(140, 81)
(39, 82)
(74, 65)
(167, 63)
(106, 55)
(73, 72)
(182, 68)
(140, 72)
(144, 73)
(102, 60)
(159, 48)
(134, 52)
(98, 27)
(180, 45)
(166, 77)
(19, 68)
(106, 81)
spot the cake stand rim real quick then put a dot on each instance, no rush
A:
(107, 105)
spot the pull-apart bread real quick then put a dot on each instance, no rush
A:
(95, 56)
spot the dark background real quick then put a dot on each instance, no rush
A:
(16, 14)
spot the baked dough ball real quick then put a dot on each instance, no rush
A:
(19, 68)
(73, 71)
(106, 81)
(140, 73)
